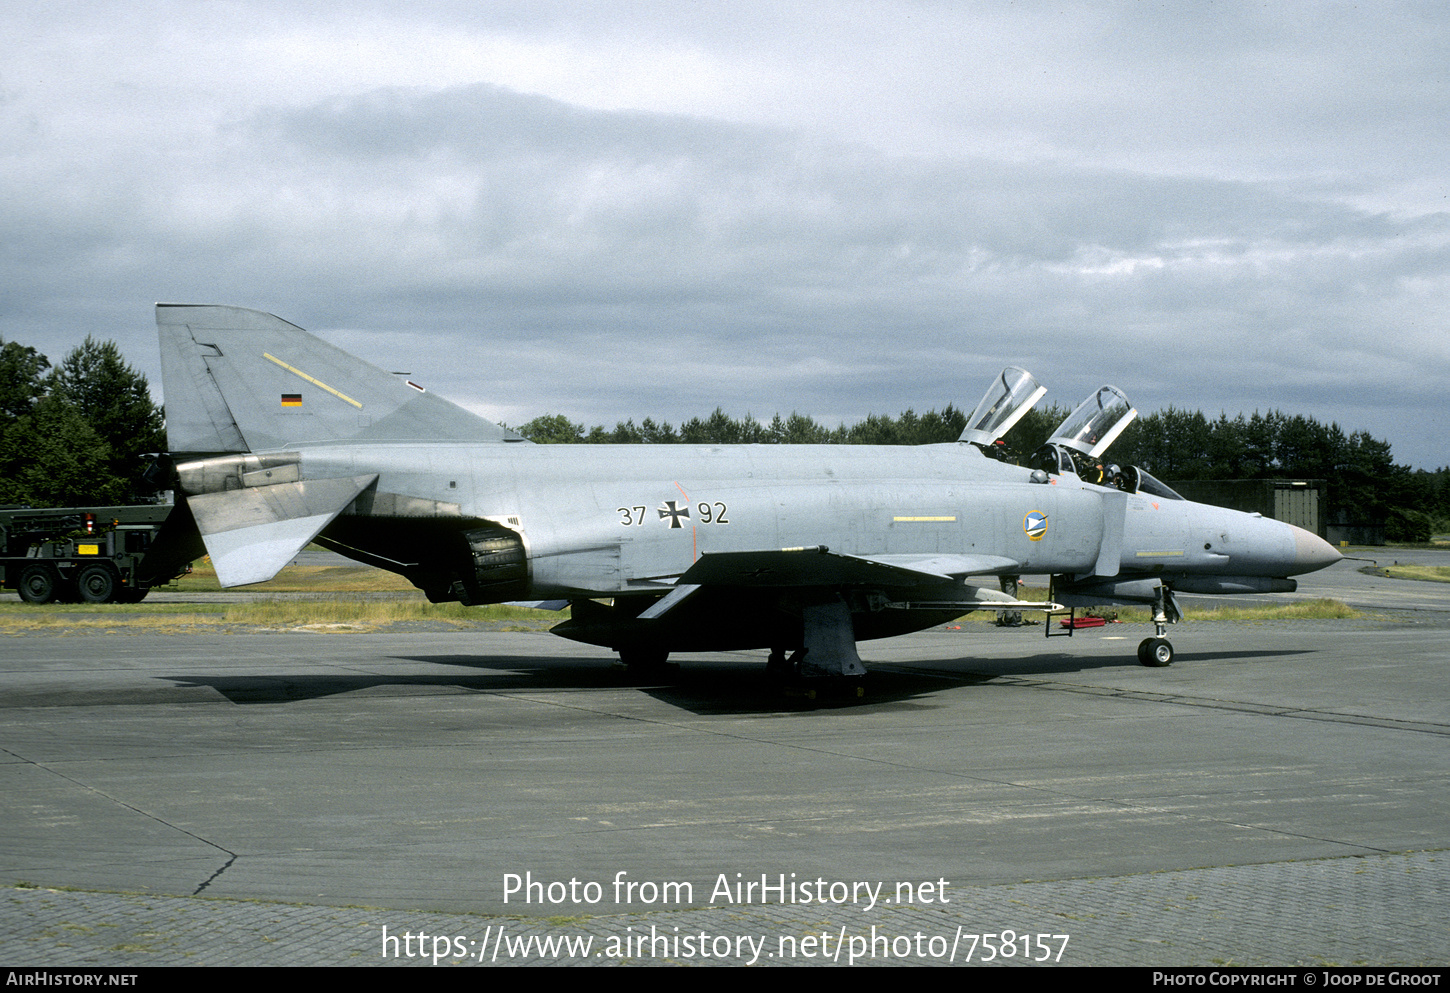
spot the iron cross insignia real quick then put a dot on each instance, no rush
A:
(673, 513)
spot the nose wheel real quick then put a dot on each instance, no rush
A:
(1155, 652)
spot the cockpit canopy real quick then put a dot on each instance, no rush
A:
(1146, 483)
(1096, 423)
(1077, 446)
(1009, 397)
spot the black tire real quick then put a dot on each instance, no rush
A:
(97, 584)
(642, 660)
(777, 666)
(38, 584)
(1156, 653)
(134, 594)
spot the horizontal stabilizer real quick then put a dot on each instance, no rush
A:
(252, 533)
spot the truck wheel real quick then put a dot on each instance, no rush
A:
(97, 584)
(37, 584)
(133, 595)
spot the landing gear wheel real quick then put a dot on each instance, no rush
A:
(777, 666)
(1155, 652)
(825, 690)
(644, 661)
(37, 584)
(97, 584)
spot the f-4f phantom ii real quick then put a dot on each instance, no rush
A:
(278, 439)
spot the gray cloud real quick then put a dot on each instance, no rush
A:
(1142, 211)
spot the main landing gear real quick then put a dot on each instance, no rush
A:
(826, 663)
(823, 664)
(1157, 652)
(646, 663)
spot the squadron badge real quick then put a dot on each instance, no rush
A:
(1035, 524)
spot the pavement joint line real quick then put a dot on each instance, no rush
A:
(126, 806)
(214, 876)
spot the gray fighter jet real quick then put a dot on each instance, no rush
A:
(278, 439)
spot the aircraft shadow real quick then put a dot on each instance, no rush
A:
(701, 687)
(698, 688)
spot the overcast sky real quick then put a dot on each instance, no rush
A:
(616, 210)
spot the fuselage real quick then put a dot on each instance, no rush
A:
(600, 520)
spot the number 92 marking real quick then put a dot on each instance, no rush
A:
(711, 513)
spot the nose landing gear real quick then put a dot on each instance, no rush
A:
(1157, 652)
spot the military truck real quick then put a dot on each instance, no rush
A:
(78, 554)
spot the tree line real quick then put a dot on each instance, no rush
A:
(722, 429)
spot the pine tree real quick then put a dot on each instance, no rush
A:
(75, 435)
(115, 401)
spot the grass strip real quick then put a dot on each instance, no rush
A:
(1315, 610)
(340, 615)
(1424, 573)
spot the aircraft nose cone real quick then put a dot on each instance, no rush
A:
(1311, 552)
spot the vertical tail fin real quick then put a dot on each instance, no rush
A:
(238, 380)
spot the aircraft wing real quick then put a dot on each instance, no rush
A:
(949, 566)
(817, 566)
